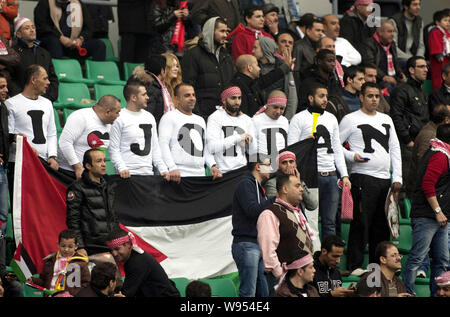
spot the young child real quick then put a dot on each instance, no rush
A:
(439, 45)
(56, 273)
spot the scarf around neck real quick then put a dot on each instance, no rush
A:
(445, 40)
(387, 51)
(439, 146)
(168, 103)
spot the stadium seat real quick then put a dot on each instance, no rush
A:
(69, 70)
(428, 86)
(128, 69)
(106, 73)
(181, 283)
(73, 96)
(221, 287)
(422, 287)
(66, 113)
(345, 230)
(110, 170)
(57, 121)
(404, 241)
(110, 56)
(115, 90)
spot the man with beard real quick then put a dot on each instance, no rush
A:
(320, 124)
(208, 66)
(230, 133)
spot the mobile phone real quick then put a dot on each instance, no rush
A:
(365, 159)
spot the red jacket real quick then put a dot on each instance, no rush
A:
(7, 15)
(243, 42)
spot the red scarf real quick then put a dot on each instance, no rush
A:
(439, 146)
(340, 72)
(390, 60)
(178, 32)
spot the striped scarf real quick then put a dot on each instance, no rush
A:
(390, 59)
(439, 146)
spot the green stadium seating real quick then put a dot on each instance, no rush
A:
(69, 70)
(221, 287)
(73, 96)
(422, 287)
(66, 113)
(110, 170)
(115, 90)
(106, 73)
(181, 283)
(110, 56)
(128, 69)
(428, 86)
(57, 121)
(404, 241)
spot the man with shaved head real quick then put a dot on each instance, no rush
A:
(86, 129)
(248, 79)
(344, 49)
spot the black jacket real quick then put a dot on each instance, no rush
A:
(420, 206)
(325, 279)
(409, 109)
(6, 137)
(399, 19)
(355, 30)
(372, 54)
(228, 10)
(29, 56)
(246, 209)
(305, 54)
(252, 97)
(90, 212)
(438, 97)
(133, 16)
(208, 75)
(45, 26)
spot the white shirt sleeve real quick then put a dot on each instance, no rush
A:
(72, 130)
(115, 137)
(52, 137)
(351, 55)
(395, 153)
(339, 159)
(345, 129)
(156, 151)
(294, 130)
(165, 129)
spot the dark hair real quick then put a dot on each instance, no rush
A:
(131, 87)
(117, 233)
(443, 133)
(102, 274)
(198, 289)
(332, 240)
(87, 158)
(68, 234)
(446, 69)
(284, 31)
(254, 159)
(32, 71)
(323, 53)
(295, 255)
(412, 61)
(155, 64)
(439, 113)
(281, 180)
(307, 19)
(407, 3)
(312, 89)
(365, 290)
(441, 14)
(177, 88)
(248, 12)
(219, 20)
(310, 24)
(351, 72)
(368, 65)
(381, 250)
(368, 85)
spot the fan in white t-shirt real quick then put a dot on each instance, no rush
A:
(271, 127)
(86, 129)
(133, 140)
(230, 133)
(182, 138)
(32, 115)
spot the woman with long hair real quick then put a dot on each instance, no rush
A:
(173, 75)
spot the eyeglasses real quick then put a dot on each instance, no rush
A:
(395, 255)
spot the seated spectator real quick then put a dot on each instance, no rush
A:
(439, 45)
(209, 66)
(251, 82)
(230, 134)
(354, 24)
(62, 38)
(370, 76)
(441, 96)
(408, 31)
(328, 279)
(8, 12)
(443, 284)
(9, 283)
(172, 75)
(164, 14)
(389, 261)
(103, 282)
(244, 40)
(299, 28)
(8, 59)
(271, 12)
(144, 276)
(58, 266)
(229, 11)
(305, 50)
(381, 50)
(198, 289)
(350, 56)
(152, 76)
(354, 79)
(368, 291)
(299, 273)
(31, 53)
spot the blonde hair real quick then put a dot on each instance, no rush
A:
(171, 83)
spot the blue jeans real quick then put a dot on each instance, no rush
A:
(249, 262)
(328, 203)
(426, 234)
(3, 199)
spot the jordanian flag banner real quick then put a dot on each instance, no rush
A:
(186, 227)
(22, 264)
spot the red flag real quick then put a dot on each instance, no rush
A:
(178, 32)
